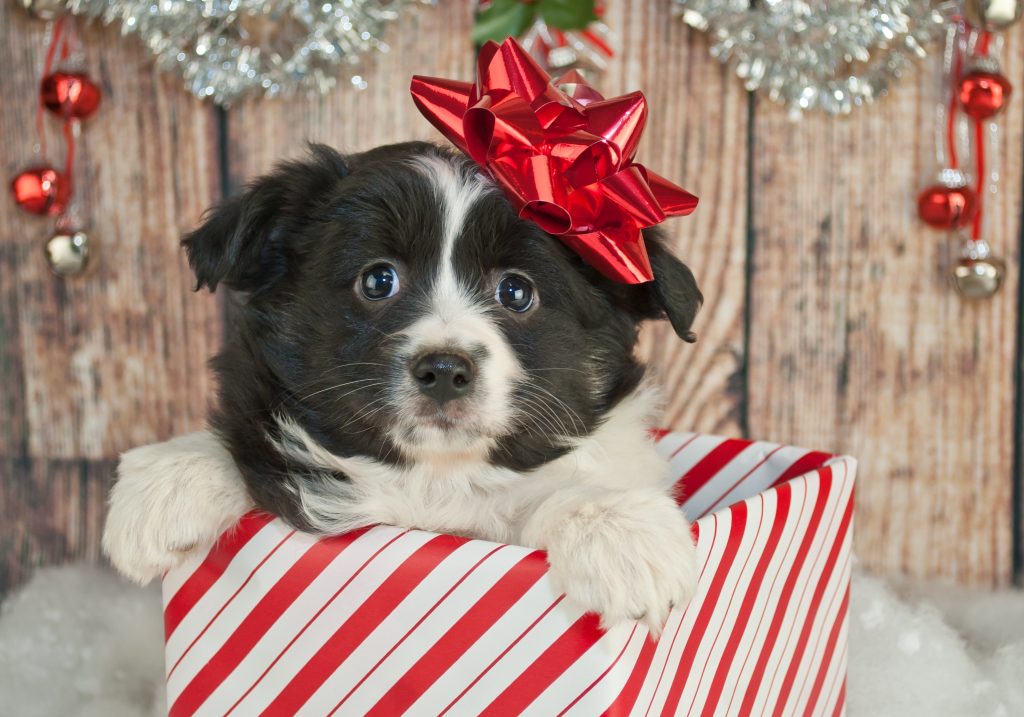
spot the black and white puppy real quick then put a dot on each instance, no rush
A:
(411, 352)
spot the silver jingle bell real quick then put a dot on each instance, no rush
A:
(68, 253)
(952, 178)
(978, 278)
(993, 15)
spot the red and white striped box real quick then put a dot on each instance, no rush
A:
(387, 621)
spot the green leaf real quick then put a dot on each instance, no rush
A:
(501, 19)
(567, 14)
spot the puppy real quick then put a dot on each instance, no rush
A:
(410, 352)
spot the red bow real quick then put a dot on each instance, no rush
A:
(562, 153)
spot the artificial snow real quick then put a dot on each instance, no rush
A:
(80, 641)
(929, 650)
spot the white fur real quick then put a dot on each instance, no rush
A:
(455, 320)
(624, 554)
(616, 540)
(171, 499)
(457, 192)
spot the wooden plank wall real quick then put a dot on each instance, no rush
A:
(828, 320)
(91, 367)
(857, 342)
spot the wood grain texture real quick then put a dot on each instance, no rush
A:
(856, 342)
(97, 364)
(859, 344)
(94, 365)
(697, 136)
(53, 512)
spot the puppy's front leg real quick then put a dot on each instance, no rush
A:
(624, 554)
(171, 499)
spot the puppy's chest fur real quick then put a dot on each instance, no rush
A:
(473, 499)
(465, 494)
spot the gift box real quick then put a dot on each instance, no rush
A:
(386, 621)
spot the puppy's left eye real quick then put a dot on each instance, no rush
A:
(379, 282)
(515, 293)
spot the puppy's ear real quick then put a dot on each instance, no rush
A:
(673, 294)
(242, 242)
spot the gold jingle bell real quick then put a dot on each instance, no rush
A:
(67, 253)
(978, 274)
(993, 15)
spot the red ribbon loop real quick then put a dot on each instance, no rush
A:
(562, 153)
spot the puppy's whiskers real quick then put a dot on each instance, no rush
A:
(554, 368)
(366, 410)
(293, 391)
(578, 424)
(366, 387)
(388, 336)
(563, 421)
(341, 385)
(541, 415)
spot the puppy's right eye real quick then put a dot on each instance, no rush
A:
(379, 282)
(515, 293)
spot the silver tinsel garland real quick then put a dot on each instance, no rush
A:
(229, 48)
(832, 55)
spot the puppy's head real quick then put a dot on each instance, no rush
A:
(397, 308)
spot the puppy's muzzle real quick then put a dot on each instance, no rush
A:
(444, 376)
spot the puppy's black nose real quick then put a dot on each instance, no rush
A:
(444, 377)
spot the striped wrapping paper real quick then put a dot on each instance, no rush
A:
(386, 621)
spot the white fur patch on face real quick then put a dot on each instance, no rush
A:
(457, 192)
(457, 321)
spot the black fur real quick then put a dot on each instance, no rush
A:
(296, 242)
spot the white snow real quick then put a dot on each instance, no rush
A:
(934, 650)
(80, 641)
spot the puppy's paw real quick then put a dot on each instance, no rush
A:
(624, 555)
(170, 500)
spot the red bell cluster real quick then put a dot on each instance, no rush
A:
(976, 93)
(980, 93)
(71, 96)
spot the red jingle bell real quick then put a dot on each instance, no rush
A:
(983, 93)
(71, 95)
(945, 207)
(41, 190)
